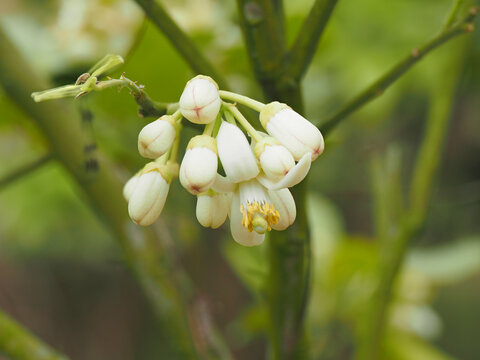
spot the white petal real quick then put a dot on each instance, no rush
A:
(198, 169)
(296, 133)
(156, 138)
(223, 185)
(200, 101)
(147, 200)
(294, 176)
(239, 233)
(276, 161)
(235, 154)
(284, 203)
(130, 186)
(212, 211)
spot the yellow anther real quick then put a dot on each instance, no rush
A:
(259, 217)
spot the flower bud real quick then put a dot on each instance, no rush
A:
(156, 138)
(275, 159)
(200, 101)
(199, 165)
(212, 209)
(293, 131)
(130, 186)
(284, 203)
(235, 154)
(148, 198)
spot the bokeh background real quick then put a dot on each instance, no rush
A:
(61, 272)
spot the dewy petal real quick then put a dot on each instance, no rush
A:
(235, 154)
(212, 210)
(147, 200)
(285, 205)
(239, 233)
(293, 177)
(198, 169)
(223, 185)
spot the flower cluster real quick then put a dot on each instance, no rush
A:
(253, 192)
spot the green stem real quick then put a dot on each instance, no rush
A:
(184, 45)
(24, 170)
(453, 13)
(242, 99)
(243, 121)
(305, 45)
(142, 250)
(18, 343)
(380, 85)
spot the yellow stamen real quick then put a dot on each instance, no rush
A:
(253, 211)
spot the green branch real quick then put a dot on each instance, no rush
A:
(184, 45)
(303, 49)
(143, 252)
(379, 86)
(24, 170)
(395, 246)
(18, 343)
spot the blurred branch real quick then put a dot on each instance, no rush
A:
(288, 280)
(262, 23)
(379, 86)
(184, 45)
(24, 171)
(453, 13)
(19, 344)
(141, 249)
(303, 49)
(393, 255)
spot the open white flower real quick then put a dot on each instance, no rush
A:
(200, 101)
(293, 131)
(156, 138)
(199, 165)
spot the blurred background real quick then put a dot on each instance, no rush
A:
(61, 272)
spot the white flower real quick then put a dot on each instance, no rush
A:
(284, 203)
(252, 214)
(235, 154)
(148, 197)
(199, 165)
(156, 138)
(275, 160)
(200, 101)
(293, 131)
(212, 209)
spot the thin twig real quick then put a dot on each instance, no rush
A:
(24, 170)
(303, 49)
(185, 46)
(380, 85)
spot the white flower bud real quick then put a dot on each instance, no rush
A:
(199, 165)
(156, 138)
(130, 186)
(200, 101)
(284, 203)
(235, 154)
(293, 131)
(212, 209)
(275, 160)
(148, 198)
